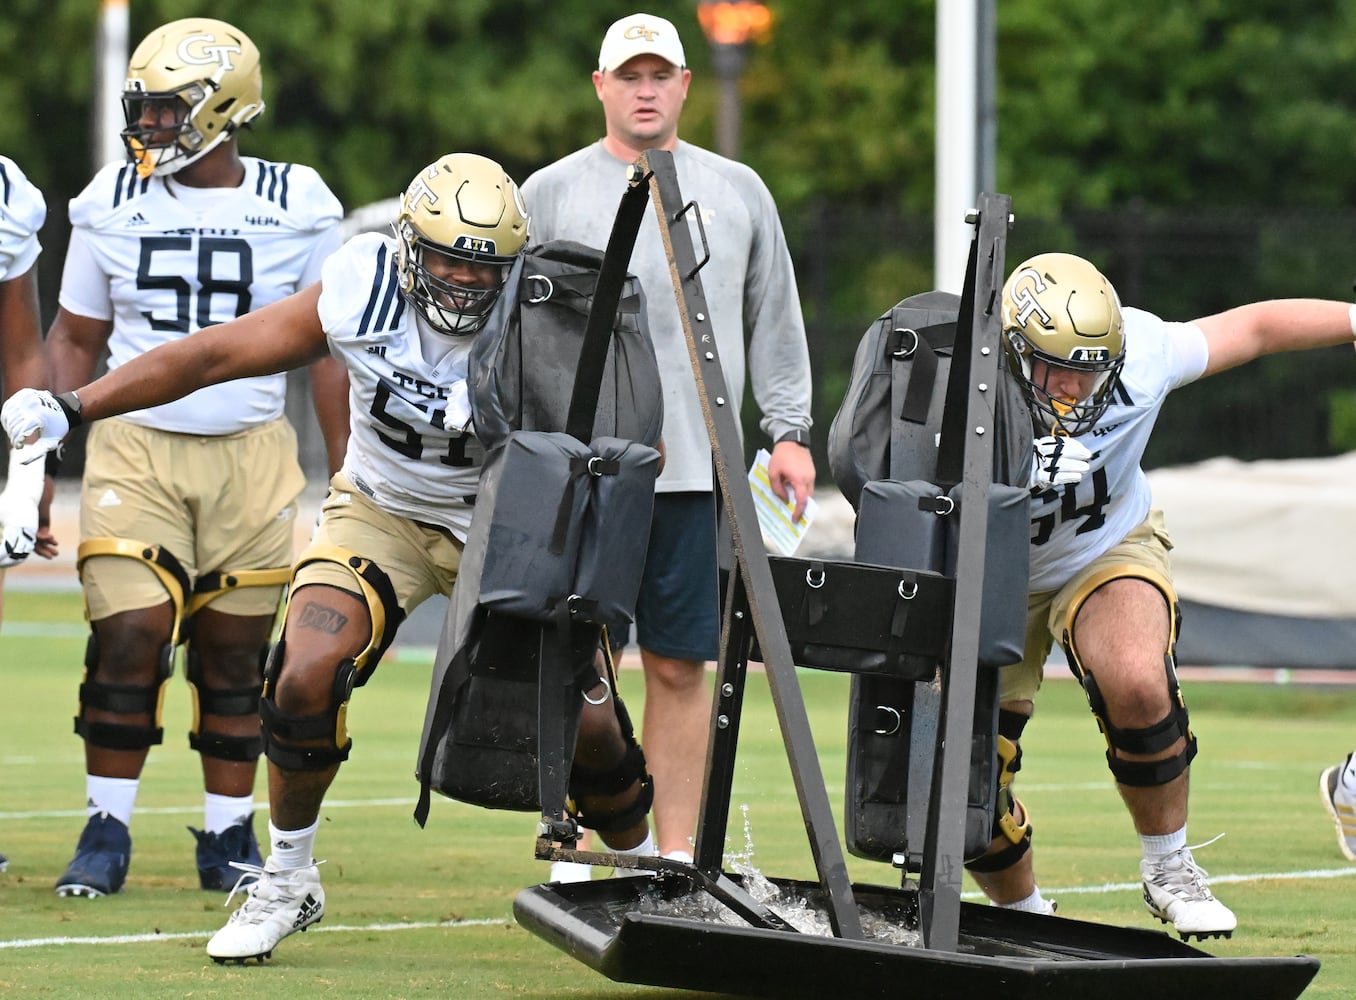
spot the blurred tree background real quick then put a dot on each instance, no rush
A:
(1200, 153)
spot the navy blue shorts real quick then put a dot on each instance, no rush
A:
(678, 611)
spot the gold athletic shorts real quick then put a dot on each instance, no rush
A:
(215, 503)
(420, 559)
(1142, 553)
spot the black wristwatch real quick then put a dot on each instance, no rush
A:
(70, 406)
(801, 438)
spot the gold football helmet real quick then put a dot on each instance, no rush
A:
(462, 207)
(190, 84)
(1061, 311)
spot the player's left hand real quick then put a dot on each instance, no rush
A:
(19, 524)
(24, 507)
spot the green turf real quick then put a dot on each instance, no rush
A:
(1255, 781)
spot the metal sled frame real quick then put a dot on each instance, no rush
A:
(964, 950)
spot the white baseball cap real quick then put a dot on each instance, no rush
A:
(637, 35)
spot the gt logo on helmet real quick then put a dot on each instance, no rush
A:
(420, 191)
(1024, 299)
(195, 51)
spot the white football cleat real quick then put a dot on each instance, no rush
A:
(279, 902)
(1175, 892)
(1341, 807)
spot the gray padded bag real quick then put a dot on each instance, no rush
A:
(522, 373)
(549, 513)
(891, 416)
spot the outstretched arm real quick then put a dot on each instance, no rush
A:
(1238, 335)
(276, 338)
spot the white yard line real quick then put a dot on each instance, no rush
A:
(1050, 892)
(191, 935)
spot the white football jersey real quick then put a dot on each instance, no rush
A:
(1073, 525)
(22, 212)
(162, 260)
(400, 372)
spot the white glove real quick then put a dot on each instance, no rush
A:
(1057, 461)
(458, 413)
(34, 417)
(19, 507)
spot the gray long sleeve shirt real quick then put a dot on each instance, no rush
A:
(749, 283)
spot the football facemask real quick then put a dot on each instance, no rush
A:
(1061, 311)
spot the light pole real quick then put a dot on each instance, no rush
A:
(730, 27)
(110, 74)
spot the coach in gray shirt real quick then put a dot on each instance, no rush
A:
(642, 80)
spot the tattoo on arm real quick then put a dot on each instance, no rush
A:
(321, 618)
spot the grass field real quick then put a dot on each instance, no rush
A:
(415, 912)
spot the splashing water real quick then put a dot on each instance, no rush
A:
(803, 910)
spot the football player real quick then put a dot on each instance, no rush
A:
(22, 211)
(186, 509)
(401, 312)
(1095, 376)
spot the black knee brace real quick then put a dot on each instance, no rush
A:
(630, 770)
(1005, 825)
(223, 701)
(1150, 739)
(126, 699)
(374, 589)
(627, 773)
(331, 725)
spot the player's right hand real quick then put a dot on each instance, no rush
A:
(1057, 461)
(34, 417)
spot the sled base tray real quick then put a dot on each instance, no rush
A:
(664, 930)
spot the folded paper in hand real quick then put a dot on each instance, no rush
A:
(774, 512)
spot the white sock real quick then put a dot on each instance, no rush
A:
(571, 871)
(221, 812)
(292, 848)
(1035, 903)
(1348, 781)
(685, 856)
(1158, 847)
(645, 848)
(115, 796)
